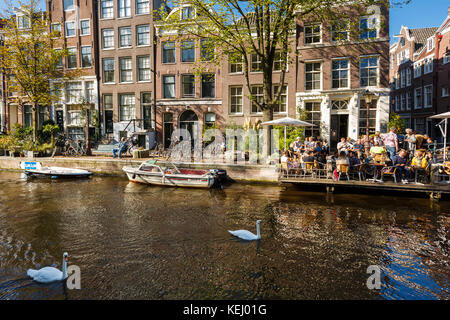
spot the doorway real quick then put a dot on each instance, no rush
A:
(339, 129)
(189, 121)
(167, 129)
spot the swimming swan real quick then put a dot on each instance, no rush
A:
(50, 274)
(247, 235)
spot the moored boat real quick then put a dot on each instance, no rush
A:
(168, 174)
(35, 169)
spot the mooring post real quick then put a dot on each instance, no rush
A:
(435, 196)
(330, 189)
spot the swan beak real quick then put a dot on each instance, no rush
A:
(67, 258)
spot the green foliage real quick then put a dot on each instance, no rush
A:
(48, 129)
(397, 122)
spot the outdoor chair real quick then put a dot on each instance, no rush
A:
(390, 172)
(284, 172)
(308, 169)
(358, 170)
(421, 175)
(343, 170)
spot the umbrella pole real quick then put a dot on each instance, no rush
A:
(445, 140)
(285, 138)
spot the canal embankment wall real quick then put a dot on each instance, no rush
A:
(113, 167)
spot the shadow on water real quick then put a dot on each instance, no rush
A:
(135, 241)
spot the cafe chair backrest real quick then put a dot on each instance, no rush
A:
(284, 165)
(309, 165)
(343, 168)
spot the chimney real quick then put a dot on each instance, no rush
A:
(449, 11)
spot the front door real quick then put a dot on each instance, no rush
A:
(147, 117)
(168, 129)
(339, 129)
(60, 120)
(109, 124)
(189, 121)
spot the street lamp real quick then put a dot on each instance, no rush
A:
(368, 98)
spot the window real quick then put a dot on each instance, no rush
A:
(169, 87)
(428, 96)
(397, 103)
(418, 98)
(107, 101)
(419, 125)
(446, 58)
(313, 117)
(256, 65)
(208, 85)
(445, 92)
(339, 31)
(72, 58)
(70, 29)
(363, 117)
(107, 9)
(430, 44)
(236, 100)
(85, 27)
(186, 13)
(74, 92)
(397, 81)
(142, 6)
(59, 64)
(280, 105)
(428, 65)
(108, 70)
(402, 78)
(312, 75)
(143, 35)
(124, 8)
(402, 41)
(367, 28)
(392, 61)
(340, 72)
(144, 73)
(127, 108)
(278, 61)
(339, 105)
(90, 96)
(108, 38)
(56, 27)
(125, 70)
(258, 96)
(74, 117)
(188, 51)
(210, 119)
(408, 100)
(206, 50)
(86, 57)
(312, 34)
(124, 37)
(236, 63)
(403, 102)
(146, 102)
(27, 116)
(68, 5)
(23, 22)
(417, 69)
(368, 71)
(168, 52)
(188, 85)
(408, 77)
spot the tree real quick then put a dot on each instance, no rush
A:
(28, 56)
(234, 30)
(397, 122)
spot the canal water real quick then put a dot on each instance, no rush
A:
(134, 241)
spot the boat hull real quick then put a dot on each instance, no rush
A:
(57, 172)
(171, 180)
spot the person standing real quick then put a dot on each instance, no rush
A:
(410, 138)
(390, 141)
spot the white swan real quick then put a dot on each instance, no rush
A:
(247, 235)
(50, 274)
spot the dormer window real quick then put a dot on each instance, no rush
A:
(68, 5)
(402, 40)
(430, 44)
(23, 22)
(186, 13)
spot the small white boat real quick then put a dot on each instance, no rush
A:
(35, 169)
(167, 174)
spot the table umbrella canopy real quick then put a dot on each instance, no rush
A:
(445, 115)
(287, 122)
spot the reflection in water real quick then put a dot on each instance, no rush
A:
(137, 241)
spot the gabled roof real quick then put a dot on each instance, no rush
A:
(421, 36)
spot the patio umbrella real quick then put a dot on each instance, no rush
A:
(445, 116)
(287, 122)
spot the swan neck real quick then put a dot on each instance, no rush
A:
(64, 268)
(258, 232)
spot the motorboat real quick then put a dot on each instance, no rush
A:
(168, 174)
(35, 169)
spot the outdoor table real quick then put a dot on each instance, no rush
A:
(378, 166)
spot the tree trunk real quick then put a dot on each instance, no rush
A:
(35, 122)
(267, 116)
(88, 137)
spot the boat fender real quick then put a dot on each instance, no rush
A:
(134, 176)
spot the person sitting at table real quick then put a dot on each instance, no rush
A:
(377, 149)
(322, 157)
(401, 161)
(353, 160)
(343, 146)
(342, 159)
(358, 147)
(430, 157)
(297, 144)
(309, 157)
